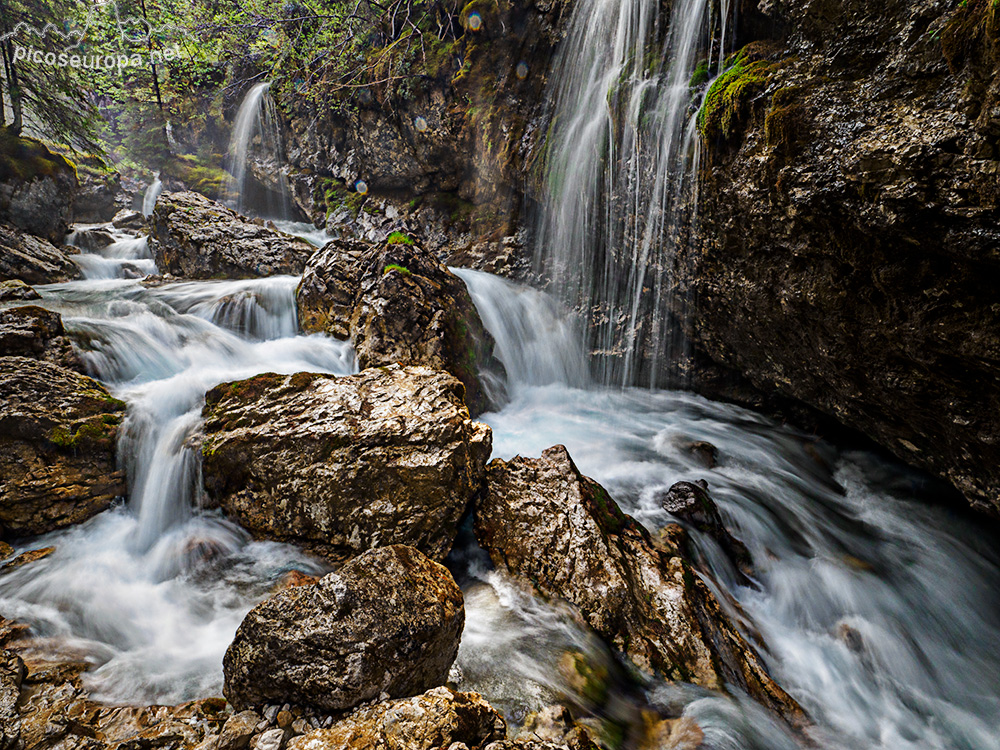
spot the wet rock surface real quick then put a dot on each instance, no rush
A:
(388, 622)
(15, 290)
(342, 464)
(57, 447)
(691, 503)
(37, 187)
(34, 260)
(193, 237)
(850, 239)
(32, 331)
(544, 522)
(398, 304)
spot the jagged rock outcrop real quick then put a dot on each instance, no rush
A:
(194, 237)
(544, 522)
(34, 260)
(32, 331)
(12, 674)
(850, 239)
(439, 718)
(398, 304)
(15, 290)
(57, 447)
(388, 622)
(342, 464)
(37, 187)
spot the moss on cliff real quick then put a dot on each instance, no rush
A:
(973, 24)
(25, 159)
(727, 103)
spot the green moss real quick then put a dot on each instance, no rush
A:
(784, 119)
(25, 159)
(727, 101)
(335, 195)
(974, 24)
(96, 431)
(203, 178)
(700, 75)
(399, 238)
(401, 269)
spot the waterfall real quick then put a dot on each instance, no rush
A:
(621, 187)
(257, 135)
(152, 195)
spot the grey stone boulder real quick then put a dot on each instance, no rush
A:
(389, 621)
(342, 464)
(194, 237)
(34, 260)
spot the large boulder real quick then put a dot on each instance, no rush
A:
(342, 464)
(32, 331)
(544, 522)
(37, 187)
(57, 447)
(389, 621)
(439, 718)
(398, 303)
(194, 237)
(34, 260)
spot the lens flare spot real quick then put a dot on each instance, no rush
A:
(361, 187)
(475, 21)
(420, 124)
(521, 71)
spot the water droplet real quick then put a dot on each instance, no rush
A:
(420, 124)
(475, 21)
(522, 70)
(361, 187)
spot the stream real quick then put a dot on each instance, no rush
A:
(879, 608)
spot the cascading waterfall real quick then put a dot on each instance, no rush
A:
(257, 135)
(621, 161)
(151, 195)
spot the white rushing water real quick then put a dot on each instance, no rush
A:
(621, 168)
(151, 195)
(257, 135)
(880, 611)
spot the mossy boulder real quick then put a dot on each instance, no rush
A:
(544, 522)
(398, 304)
(57, 447)
(37, 187)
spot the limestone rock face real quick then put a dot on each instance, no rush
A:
(194, 237)
(389, 621)
(33, 260)
(37, 188)
(32, 331)
(398, 304)
(438, 718)
(543, 521)
(57, 447)
(342, 464)
(850, 245)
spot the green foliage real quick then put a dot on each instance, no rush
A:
(400, 269)
(728, 99)
(207, 179)
(399, 238)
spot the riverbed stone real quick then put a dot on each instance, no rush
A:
(342, 464)
(546, 523)
(57, 447)
(194, 237)
(398, 304)
(34, 260)
(439, 718)
(388, 622)
(33, 331)
(15, 290)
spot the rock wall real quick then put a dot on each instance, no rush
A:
(850, 243)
